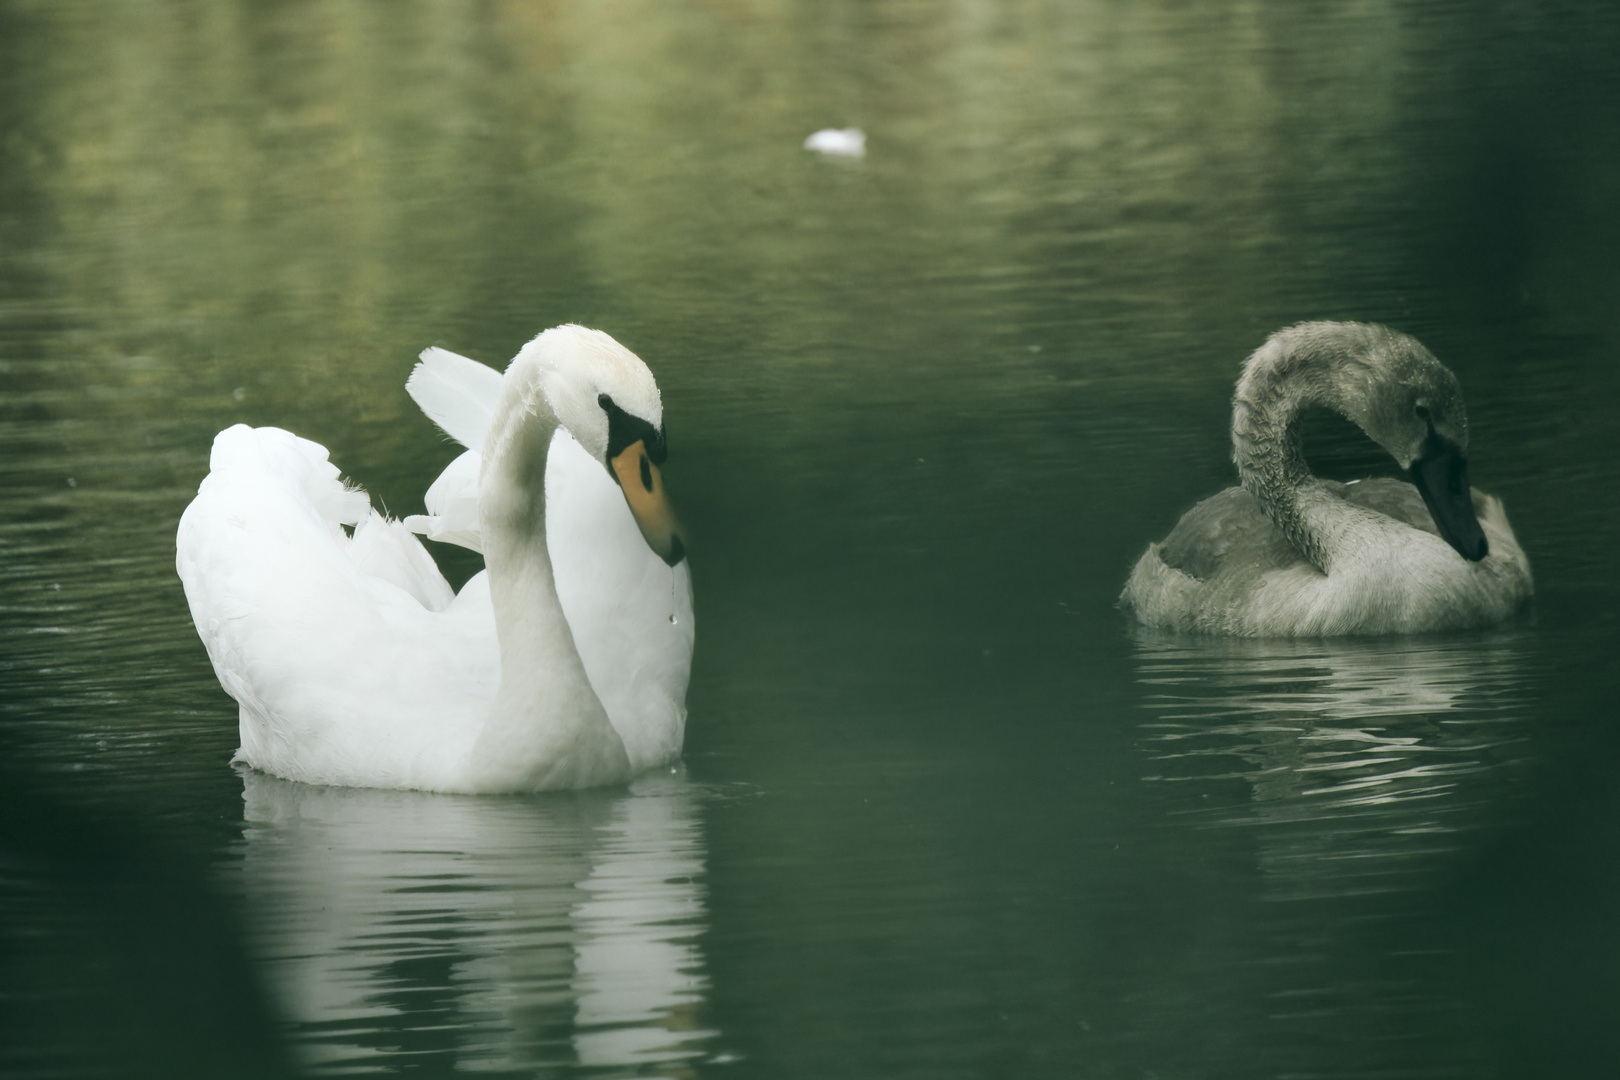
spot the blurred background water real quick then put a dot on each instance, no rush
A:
(942, 811)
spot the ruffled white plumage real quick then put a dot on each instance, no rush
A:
(352, 660)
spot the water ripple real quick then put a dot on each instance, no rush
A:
(1340, 753)
(402, 929)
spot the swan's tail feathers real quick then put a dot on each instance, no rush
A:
(456, 393)
(270, 451)
(452, 505)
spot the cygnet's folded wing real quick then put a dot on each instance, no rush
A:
(1226, 533)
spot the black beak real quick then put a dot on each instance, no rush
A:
(1441, 477)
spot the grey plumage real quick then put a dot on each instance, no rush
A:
(1287, 554)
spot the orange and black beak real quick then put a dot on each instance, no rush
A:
(643, 489)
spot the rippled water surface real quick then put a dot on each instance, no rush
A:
(942, 812)
(412, 930)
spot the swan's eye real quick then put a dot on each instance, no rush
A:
(1422, 412)
(646, 473)
(625, 430)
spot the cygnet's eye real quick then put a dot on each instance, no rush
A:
(1422, 412)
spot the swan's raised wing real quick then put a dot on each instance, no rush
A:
(452, 505)
(345, 671)
(459, 395)
(456, 393)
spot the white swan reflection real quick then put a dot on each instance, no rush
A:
(1356, 759)
(399, 927)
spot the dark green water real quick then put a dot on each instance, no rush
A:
(943, 812)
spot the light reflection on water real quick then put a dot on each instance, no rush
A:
(1361, 760)
(1348, 783)
(402, 929)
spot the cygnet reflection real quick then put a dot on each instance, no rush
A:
(401, 929)
(1356, 760)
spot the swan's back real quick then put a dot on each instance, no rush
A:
(1230, 532)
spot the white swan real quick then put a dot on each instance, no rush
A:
(1287, 554)
(564, 664)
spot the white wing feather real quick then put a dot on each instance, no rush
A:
(458, 394)
(344, 676)
(452, 505)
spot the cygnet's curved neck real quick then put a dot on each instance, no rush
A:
(1280, 382)
(548, 728)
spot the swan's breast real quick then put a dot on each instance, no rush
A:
(629, 612)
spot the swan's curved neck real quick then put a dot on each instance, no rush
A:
(1279, 384)
(548, 728)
